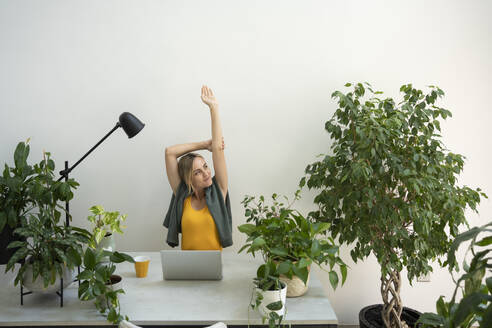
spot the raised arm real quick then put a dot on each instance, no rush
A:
(218, 156)
(172, 155)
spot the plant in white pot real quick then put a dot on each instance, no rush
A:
(49, 250)
(105, 225)
(389, 187)
(269, 294)
(98, 280)
(283, 235)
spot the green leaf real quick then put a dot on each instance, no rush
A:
(74, 257)
(302, 273)
(16, 244)
(89, 259)
(275, 306)
(117, 257)
(441, 307)
(484, 242)
(284, 267)
(243, 248)
(85, 275)
(343, 270)
(112, 316)
(279, 251)
(431, 319)
(20, 155)
(315, 248)
(258, 242)
(304, 262)
(333, 279)
(321, 227)
(247, 228)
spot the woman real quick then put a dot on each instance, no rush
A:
(200, 207)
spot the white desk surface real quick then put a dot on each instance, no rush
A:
(154, 301)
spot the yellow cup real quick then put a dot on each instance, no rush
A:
(141, 266)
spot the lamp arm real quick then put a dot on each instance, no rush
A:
(64, 173)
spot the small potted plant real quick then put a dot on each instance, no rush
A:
(269, 294)
(388, 186)
(283, 235)
(98, 280)
(105, 224)
(475, 307)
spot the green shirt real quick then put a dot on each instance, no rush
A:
(219, 209)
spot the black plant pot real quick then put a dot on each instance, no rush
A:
(370, 316)
(6, 237)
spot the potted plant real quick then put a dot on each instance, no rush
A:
(105, 224)
(99, 283)
(47, 249)
(23, 188)
(283, 235)
(14, 198)
(389, 186)
(98, 280)
(269, 294)
(475, 306)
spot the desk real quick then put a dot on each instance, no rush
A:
(154, 301)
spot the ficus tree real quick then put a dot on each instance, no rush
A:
(388, 186)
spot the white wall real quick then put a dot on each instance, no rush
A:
(69, 68)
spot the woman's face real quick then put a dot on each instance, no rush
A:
(201, 176)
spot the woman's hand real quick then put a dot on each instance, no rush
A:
(208, 97)
(209, 144)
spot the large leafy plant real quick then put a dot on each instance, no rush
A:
(475, 307)
(24, 188)
(389, 186)
(283, 235)
(46, 244)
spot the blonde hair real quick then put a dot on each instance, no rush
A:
(185, 169)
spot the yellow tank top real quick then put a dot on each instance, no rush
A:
(198, 229)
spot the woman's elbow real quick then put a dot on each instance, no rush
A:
(167, 152)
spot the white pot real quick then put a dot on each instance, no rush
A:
(115, 286)
(107, 243)
(37, 286)
(271, 296)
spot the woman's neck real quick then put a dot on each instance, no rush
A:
(199, 194)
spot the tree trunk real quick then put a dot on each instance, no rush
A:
(392, 306)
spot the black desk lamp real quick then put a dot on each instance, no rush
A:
(130, 124)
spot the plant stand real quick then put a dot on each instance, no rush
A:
(59, 293)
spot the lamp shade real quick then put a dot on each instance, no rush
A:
(130, 124)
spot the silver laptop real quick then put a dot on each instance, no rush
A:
(191, 265)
